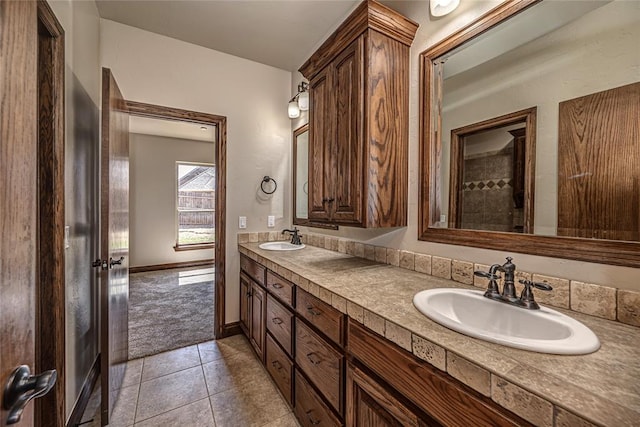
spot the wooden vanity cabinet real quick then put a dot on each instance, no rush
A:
(369, 404)
(253, 303)
(441, 398)
(359, 120)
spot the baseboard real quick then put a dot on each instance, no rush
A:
(85, 394)
(230, 329)
(185, 264)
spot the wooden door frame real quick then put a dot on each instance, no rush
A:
(50, 285)
(221, 329)
(527, 116)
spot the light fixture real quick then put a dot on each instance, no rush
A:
(294, 110)
(300, 101)
(442, 7)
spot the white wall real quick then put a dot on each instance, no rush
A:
(160, 70)
(80, 21)
(430, 32)
(152, 197)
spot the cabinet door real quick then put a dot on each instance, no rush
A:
(258, 305)
(245, 304)
(320, 141)
(348, 149)
(369, 404)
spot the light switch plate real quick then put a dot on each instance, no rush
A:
(242, 222)
(271, 221)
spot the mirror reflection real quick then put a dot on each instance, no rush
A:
(577, 64)
(301, 173)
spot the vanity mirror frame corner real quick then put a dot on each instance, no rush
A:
(622, 253)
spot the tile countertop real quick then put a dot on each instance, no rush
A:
(602, 387)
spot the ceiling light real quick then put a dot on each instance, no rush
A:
(442, 7)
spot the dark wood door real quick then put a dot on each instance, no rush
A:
(598, 134)
(114, 241)
(320, 143)
(258, 307)
(245, 304)
(347, 150)
(370, 405)
(18, 189)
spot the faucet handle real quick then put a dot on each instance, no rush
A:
(526, 298)
(538, 285)
(486, 275)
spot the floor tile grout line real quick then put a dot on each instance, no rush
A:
(174, 409)
(135, 412)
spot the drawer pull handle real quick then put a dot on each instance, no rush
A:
(311, 420)
(313, 358)
(277, 320)
(311, 309)
(276, 365)
(277, 285)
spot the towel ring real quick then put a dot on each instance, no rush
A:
(266, 180)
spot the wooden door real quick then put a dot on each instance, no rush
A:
(258, 307)
(18, 190)
(600, 133)
(245, 304)
(114, 241)
(370, 405)
(320, 137)
(348, 78)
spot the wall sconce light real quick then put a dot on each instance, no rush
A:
(300, 102)
(442, 7)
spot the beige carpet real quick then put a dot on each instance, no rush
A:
(169, 309)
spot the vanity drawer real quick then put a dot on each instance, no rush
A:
(310, 409)
(327, 319)
(321, 363)
(280, 287)
(253, 269)
(279, 323)
(280, 368)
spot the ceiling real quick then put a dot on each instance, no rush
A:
(273, 32)
(172, 129)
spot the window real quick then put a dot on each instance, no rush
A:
(195, 206)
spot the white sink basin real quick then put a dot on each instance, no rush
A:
(280, 246)
(470, 313)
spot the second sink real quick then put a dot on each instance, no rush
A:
(469, 312)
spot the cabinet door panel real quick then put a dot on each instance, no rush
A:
(320, 138)
(258, 305)
(369, 404)
(348, 78)
(245, 304)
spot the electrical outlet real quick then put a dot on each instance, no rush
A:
(271, 221)
(242, 222)
(443, 218)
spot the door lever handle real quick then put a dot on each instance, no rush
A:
(100, 263)
(113, 262)
(22, 388)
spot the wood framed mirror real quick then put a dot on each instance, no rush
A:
(587, 183)
(301, 162)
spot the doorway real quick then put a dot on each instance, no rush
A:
(138, 109)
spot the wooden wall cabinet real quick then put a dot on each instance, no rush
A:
(359, 120)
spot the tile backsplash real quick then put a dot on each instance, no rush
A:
(594, 299)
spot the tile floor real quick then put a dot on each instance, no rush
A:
(213, 384)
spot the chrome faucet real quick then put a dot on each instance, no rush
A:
(295, 235)
(508, 294)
